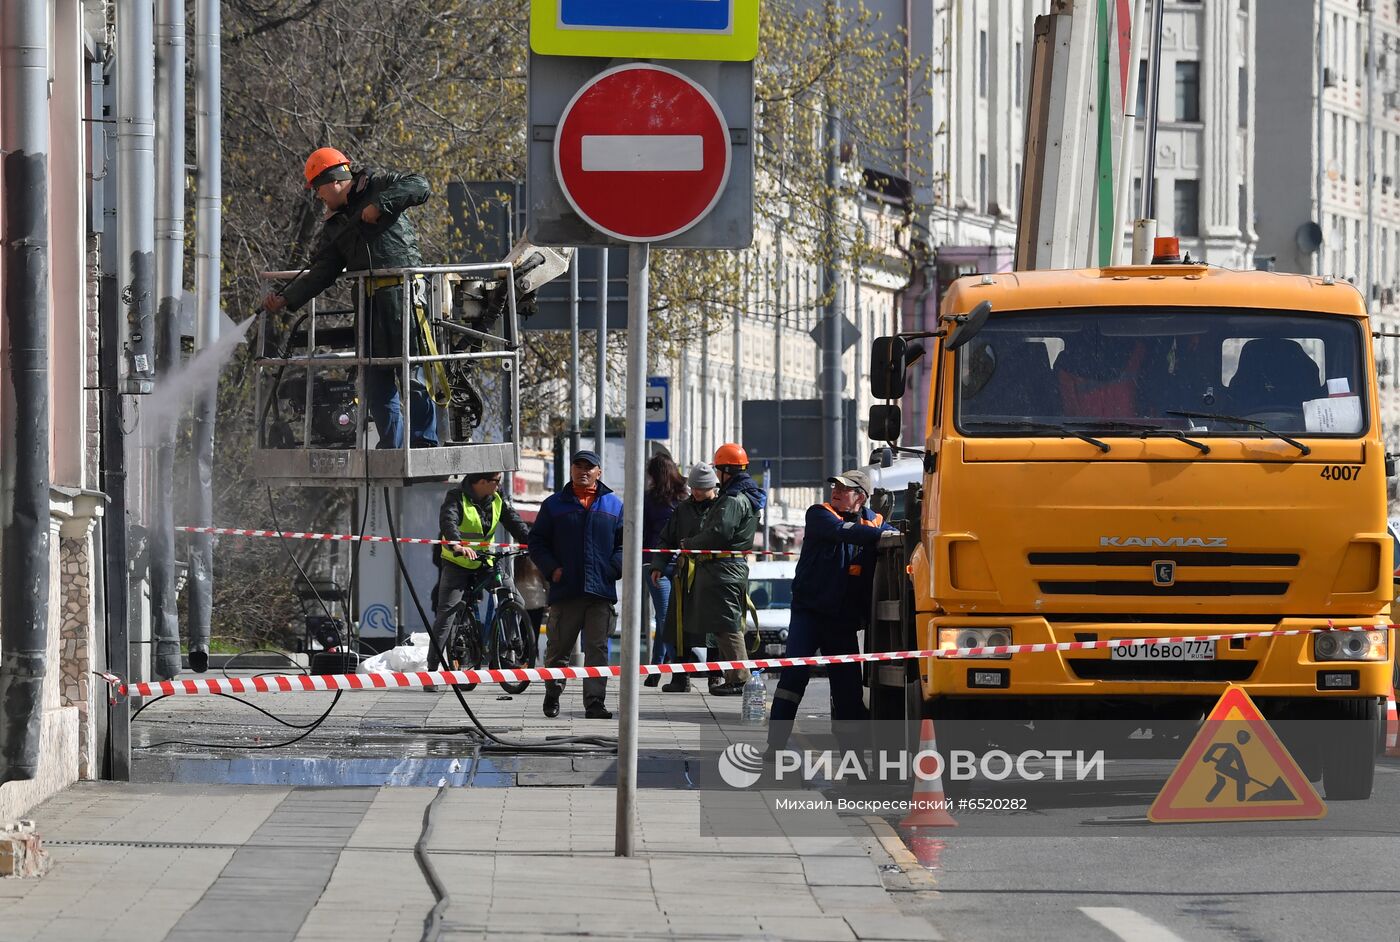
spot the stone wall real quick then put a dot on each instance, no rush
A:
(75, 633)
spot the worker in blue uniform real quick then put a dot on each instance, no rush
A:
(830, 602)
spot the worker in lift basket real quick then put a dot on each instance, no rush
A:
(830, 603)
(365, 229)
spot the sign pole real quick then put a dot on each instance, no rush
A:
(638, 271)
(600, 408)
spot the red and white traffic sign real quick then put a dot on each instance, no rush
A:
(642, 152)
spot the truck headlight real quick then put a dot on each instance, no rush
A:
(952, 638)
(1351, 645)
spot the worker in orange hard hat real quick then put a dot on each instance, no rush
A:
(365, 229)
(721, 588)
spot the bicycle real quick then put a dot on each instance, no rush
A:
(508, 638)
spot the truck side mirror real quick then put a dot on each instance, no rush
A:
(1389, 466)
(884, 423)
(887, 367)
(968, 324)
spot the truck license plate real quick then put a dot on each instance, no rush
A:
(1164, 651)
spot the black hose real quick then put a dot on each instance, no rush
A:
(315, 724)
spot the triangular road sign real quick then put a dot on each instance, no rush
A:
(1236, 769)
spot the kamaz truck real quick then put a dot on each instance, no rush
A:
(1143, 452)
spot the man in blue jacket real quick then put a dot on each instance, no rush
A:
(576, 544)
(830, 601)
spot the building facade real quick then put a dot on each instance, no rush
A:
(72, 696)
(1328, 158)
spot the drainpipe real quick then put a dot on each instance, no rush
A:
(135, 55)
(24, 391)
(208, 231)
(170, 266)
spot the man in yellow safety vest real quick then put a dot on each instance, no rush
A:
(471, 513)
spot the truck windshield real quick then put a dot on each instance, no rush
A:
(1090, 369)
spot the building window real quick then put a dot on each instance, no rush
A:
(982, 182)
(982, 65)
(1018, 188)
(1244, 210)
(1142, 89)
(1019, 76)
(1188, 208)
(1188, 91)
(1244, 98)
(1134, 209)
(1356, 152)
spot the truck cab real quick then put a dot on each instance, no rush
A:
(1148, 452)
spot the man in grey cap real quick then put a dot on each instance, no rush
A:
(576, 544)
(684, 523)
(830, 602)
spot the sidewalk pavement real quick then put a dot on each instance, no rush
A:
(525, 853)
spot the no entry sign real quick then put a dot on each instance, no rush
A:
(642, 152)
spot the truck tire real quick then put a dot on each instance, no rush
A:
(1349, 755)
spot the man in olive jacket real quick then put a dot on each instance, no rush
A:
(722, 578)
(685, 522)
(365, 229)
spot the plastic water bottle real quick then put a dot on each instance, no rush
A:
(753, 710)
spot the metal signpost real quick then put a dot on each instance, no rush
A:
(645, 155)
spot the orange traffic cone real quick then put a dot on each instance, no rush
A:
(927, 850)
(1392, 727)
(930, 806)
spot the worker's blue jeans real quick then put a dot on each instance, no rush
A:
(810, 633)
(663, 648)
(385, 407)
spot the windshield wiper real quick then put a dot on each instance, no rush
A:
(1146, 429)
(1047, 426)
(1239, 420)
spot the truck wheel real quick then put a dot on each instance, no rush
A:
(1349, 755)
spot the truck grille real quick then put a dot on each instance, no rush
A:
(1200, 671)
(1187, 582)
(1148, 557)
(1152, 590)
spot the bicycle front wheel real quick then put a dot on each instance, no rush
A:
(463, 648)
(510, 634)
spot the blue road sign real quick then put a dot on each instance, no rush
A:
(658, 407)
(668, 15)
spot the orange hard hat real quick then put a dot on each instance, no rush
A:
(323, 159)
(731, 455)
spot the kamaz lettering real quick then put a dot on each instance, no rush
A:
(1201, 541)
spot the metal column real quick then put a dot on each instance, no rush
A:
(208, 131)
(170, 282)
(600, 408)
(833, 382)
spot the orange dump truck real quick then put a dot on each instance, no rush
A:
(1140, 453)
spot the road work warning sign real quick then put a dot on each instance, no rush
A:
(1236, 769)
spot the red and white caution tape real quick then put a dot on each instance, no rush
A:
(421, 541)
(1392, 727)
(291, 683)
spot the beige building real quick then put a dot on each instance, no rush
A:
(72, 697)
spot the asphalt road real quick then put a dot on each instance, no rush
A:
(1056, 871)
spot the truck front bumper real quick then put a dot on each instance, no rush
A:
(1278, 666)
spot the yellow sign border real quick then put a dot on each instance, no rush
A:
(740, 44)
